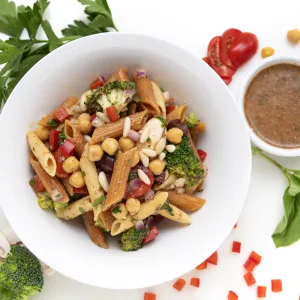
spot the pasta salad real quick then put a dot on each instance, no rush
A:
(122, 158)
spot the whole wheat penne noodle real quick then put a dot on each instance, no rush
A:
(147, 209)
(92, 183)
(178, 113)
(106, 219)
(52, 184)
(74, 135)
(115, 129)
(120, 75)
(146, 95)
(160, 99)
(175, 214)
(42, 153)
(185, 201)
(76, 209)
(68, 186)
(67, 104)
(118, 183)
(198, 128)
(96, 233)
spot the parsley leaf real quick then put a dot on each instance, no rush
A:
(81, 210)
(167, 207)
(8, 52)
(99, 201)
(32, 182)
(61, 136)
(163, 121)
(52, 123)
(54, 41)
(116, 209)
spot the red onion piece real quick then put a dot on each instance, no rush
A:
(133, 135)
(140, 73)
(130, 92)
(139, 225)
(149, 195)
(55, 195)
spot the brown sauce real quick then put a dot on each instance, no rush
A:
(272, 105)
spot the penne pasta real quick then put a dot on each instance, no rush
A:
(120, 75)
(178, 113)
(115, 129)
(52, 184)
(96, 233)
(67, 104)
(68, 186)
(119, 178)
(198, 128)
(76, 209)
(42, 153)
(147, 209)
(175, 214)
(146, 95)
(185, 201)
(74, 135)
(160, 99)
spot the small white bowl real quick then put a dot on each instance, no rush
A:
(267, 62)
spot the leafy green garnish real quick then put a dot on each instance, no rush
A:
(148, 140)
(132, 175)
(20, 55)
(81, 210)
(83, 173)
(116, 210)
(62, 136)
(191, 120)
(167, 207)
(287, 231)
(163, 121)
(31, 182)
(52, 123)
(99, 201)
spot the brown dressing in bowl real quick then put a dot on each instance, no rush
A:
(272, 105)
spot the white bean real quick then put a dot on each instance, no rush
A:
(83, 99)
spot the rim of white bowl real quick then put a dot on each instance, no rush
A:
(247, 167)
(267, 62)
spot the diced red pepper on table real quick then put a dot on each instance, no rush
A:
(37, 184)
(202, 266)
(276, 285)
(61, 114)
(255, 257)
(249, 278)
(195, 282)
(213, 259)
(179, 284)
(149, 296)
(236, 247)
(54, 139)
(232, 296)
(249, 265)
(261, 292)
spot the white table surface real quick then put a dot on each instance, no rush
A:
(191, 24)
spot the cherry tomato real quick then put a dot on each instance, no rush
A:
(227, 80)
(112, 113)
(206, 60)
(60, 172)
(228, 37)
(213, 54)
(37, 184)
(96, 83)
(151, 235)
(202, 154)
(170, 105)
(61, 114)
(67, 148)
(136, 187)
(242, 49)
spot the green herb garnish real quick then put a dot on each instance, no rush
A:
(52, 123)
(163, 121)
(162, 89)
(62, 136)
(167, 207)
(99, 201)
(19, 55)
(132, 175)
(287, 231)
(83, 173)
(58, 195)
(148, 140)
(32, 182)
(81, 210)
(116, 210)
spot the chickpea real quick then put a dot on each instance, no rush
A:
(136, 160)
(77, 180)
(267, 51)
(71, 164)
(120, 211)
(126, 143)
(157, 166)
(84, 126)
(110, 146)
(293, 36)
(85, 116)
(95, 153)
(133, 206)
(174, 135)
(42, 133)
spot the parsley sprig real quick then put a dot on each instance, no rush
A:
(18, 55)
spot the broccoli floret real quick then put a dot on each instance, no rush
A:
(58, 206)
(183, 162)
(191, 120)
(132, 239)
(21, 274)
(45, 201)
(117, 93)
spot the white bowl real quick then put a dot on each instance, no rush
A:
(66, 247)
(267, 62)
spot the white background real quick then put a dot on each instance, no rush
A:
(191, 24)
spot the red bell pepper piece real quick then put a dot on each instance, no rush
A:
(236, 247)
(232, 296)
(53, 139)
(61, 114)
(213, 259)
(249, 278)
(96, 83)
(202, 154)
(195, 282)
(276, 285)
(179, 284)
(261, 292)
(37, 184)
(202, 266)
(112, 114)
(151, 235)
(67, 148)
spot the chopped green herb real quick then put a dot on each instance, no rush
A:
(132, 219)
(116, 210)
(167, 207)
(163, 121)
(83, 173)
(81, 210)
(99, 201)
(58, 195)
(52, 123)
(161, 89)
(132, 175)
(62, 136)
(148, 140)
(31, 182)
